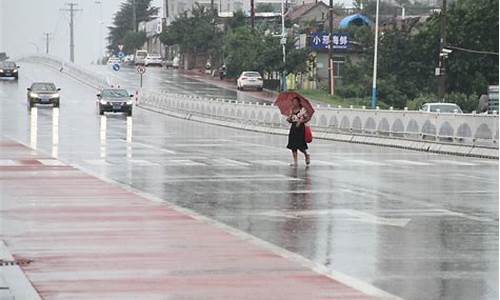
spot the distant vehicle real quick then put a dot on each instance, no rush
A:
(153, 60)
(175, 62)
(140, 57)
(114, 100)
(3, 56)
(250, 79)
(9, 69)
(113, 60)
(441, 107)
(43, 93)
(492, 98)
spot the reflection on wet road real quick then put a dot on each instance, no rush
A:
(417, 225)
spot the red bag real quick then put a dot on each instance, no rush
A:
(308, 135)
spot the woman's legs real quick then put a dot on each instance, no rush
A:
(294, 156)
(307, 156)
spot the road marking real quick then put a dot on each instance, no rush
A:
(453, 162)
(97, 162)
(365, 162)
(229, 178)
(155, 147)
(323, 163)
(182, 162)
(434, 212)
(226, 162)
(346, 214)
(270, 162)
(142, 162)
(408, 162)
(51, 162)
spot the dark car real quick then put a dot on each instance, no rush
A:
(115, 100)
(9, 69)
(43, 93)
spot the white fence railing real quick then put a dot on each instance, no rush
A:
(465, 129)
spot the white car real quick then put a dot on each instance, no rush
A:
(250, 79)
(153, 60)
(441, 107)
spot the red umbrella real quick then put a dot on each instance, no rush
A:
(285, 103)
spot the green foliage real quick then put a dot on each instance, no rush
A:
(265, 7)
(133, 40)
(408, 56)
(195, 34)
(122, 21)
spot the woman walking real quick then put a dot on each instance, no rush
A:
(296, 140)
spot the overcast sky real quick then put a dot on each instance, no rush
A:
(24, 22)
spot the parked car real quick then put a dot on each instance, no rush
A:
(114, 100)
(250, 79)
(153, 60)
(43, 93)
(441, 107)
(9, 69)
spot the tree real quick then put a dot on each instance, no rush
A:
(133, 41)
(122, 20)
(196, 34)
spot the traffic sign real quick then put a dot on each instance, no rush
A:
(141, 69)
(121, 54)
(120, 47)
(116, 67)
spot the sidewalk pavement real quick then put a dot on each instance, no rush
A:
(89, 238)
(230, 84)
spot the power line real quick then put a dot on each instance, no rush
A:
(71, 11)
(472, 50)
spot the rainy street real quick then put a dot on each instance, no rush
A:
(415, 225)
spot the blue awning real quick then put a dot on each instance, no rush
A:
(357, 19)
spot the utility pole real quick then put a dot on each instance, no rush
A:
(441, 69)
(134, 17)
(72, 11)
(47, 37)
(331, 79)
(99, 53)
(375, 59)
(252, 9)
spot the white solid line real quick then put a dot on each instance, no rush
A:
(408, 162)
(364, 162)
(51, 162)
(8, 162)
(453, 162)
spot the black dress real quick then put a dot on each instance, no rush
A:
(296, 139)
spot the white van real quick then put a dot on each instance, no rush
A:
(140, 56)
(175, 62)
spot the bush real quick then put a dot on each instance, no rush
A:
(466, 103)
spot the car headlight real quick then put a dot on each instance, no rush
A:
(34, 95)
(129, 102)
(15, 71)
(1, 70)
(103, 101)
(55, 95)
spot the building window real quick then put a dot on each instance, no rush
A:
(237, 6)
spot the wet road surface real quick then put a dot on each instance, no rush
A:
(417, 225)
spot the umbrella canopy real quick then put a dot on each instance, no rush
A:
(285, 103)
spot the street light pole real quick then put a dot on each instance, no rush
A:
(441, 60)
(134, 17)
(283, 43)
(331, 79)
(374, 81)
(99, 53)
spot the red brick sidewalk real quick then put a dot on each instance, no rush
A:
(90, 239)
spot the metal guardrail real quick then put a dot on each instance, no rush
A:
(71, 69)
(462, 129)
(459, 129)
